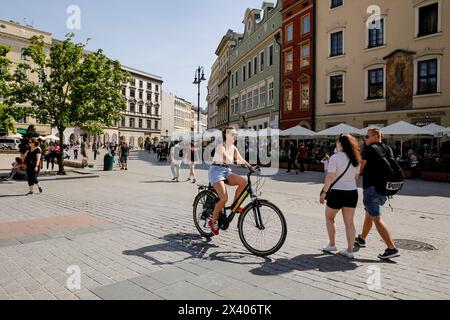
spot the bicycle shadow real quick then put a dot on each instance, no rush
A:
(321, 262)
(192, 244)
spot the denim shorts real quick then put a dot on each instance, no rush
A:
(373, 201)
(217, 174)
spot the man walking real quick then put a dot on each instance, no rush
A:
(373, 201)
(302, 156)
(124, 154)
(292, 154)
(95, 149)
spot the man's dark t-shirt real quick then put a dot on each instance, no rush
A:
(124, 151)
(31, 159)
(373, 169)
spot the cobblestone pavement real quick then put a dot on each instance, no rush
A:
(132, 236)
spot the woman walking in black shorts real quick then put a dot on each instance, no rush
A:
(33, 162)
(340, 186)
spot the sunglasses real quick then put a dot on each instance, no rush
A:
(368, 137)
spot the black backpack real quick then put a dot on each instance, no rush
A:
(392, 177)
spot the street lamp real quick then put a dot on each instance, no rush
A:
(199, 78)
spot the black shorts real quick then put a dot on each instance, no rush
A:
(342, 199)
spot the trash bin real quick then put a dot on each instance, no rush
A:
(108, 162)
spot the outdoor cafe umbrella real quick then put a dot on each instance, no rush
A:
(51, 138)
(297, 131)
(16, 136)
(437, 130)
(404, 129)
(339, 129)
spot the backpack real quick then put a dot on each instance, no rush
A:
(392, 176)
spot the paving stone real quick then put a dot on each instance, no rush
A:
(124, 290)
(171, 275)
(184, 290)
(148, 283)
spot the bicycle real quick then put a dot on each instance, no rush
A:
(253, 221)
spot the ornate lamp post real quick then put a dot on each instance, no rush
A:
(199, 78)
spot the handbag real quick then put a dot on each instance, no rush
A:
(327, 196)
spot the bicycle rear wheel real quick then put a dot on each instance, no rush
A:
(262, 228)
(203, 210)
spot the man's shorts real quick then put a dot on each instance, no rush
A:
(123, 159)
(373, 202)
(218, 173)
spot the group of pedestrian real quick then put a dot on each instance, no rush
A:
(297, 157)
(176, 158)
(340, 192)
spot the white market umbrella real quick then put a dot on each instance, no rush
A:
(404, 129)
(52, 138)
(339, 129)
(16, 136)
(298, 131)
(437, 130)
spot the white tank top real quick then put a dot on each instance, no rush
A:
(219, 157)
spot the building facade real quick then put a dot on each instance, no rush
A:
(17, 38)
(194, 120)
(379, 62)
(255, 70)
(176, 116)
(213, 96)
(297, 64)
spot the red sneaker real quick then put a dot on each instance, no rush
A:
(240, 210)
(214, 227)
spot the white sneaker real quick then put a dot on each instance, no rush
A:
(347, 254)
(329, 249)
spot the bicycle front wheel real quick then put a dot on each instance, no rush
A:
(262, 228)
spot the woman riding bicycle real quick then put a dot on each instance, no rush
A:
(226, 154)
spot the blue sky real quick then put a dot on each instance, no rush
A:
(163, 37)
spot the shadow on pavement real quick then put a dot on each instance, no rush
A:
(12, 195)
(192, 244)
(320, 262)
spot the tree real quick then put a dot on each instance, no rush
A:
(29, 134)
(75, 89)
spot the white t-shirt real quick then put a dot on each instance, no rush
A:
(338, 164)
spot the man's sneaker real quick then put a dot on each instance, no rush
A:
(214, 227)
(389, 254)
(347, 254)
(360, 242)
(329, 249)
(40, 190)
(194, 181)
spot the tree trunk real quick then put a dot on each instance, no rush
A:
(61, 171)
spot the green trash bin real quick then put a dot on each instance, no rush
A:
(108, 162)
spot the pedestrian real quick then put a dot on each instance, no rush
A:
(75, 150)
(176, 156)
(18, 170)
(292, 153)
(302, 156)
(32, 161)
(124, 154)
(95, 149)
(50, 156)
(83, 149)
(326, 161)
(192, 163)
(371, 165)
(341, 192)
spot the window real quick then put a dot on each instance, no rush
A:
(262, 61)
(132, 82)
(156, 125)
(304, 94)
(140, 123)
(149, 96)
(249, 69)
(140, 95)
(288, 61)
(427, 77)
(149, 86)
(428, 19)
(262, 96)
(290, 32)
(132, 123)
(244, 73)
(156, 97)
(336, 3)
(236, 78)
(305, 55)
(337, 43)
(306, 24)
(250, 101)
(271, 92)
(141, 84)
(243, 102)
(288, 99)
(156, 88)
(256, 98)
(271, 56)
(122, 123)
(149, 110)
(23, 57)
(336, 89)
(149, 124)
(132, 93)
(232, 81)
(255, 65)
(124, 92)
(132, 107)
(376, 84)
(156, 111)
(141, 109)
(376, 34)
